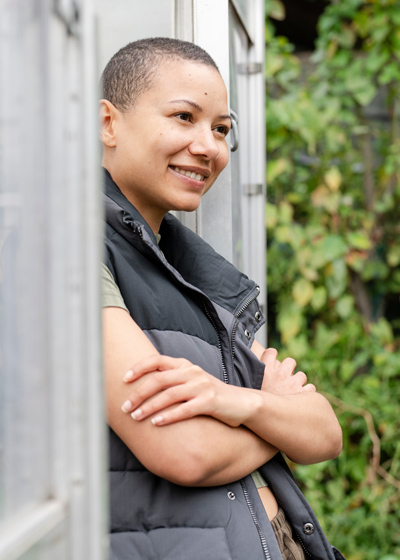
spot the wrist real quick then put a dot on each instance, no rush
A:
(256, 406)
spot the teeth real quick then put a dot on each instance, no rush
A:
(190, 174)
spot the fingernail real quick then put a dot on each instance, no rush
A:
(136, 414)
(157, 420)
(128, 376)
(127, 406)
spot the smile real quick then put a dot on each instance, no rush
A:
(189, 174)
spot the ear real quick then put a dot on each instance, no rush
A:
(108, 118)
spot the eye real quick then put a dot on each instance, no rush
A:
(184, 117)
(222, 129)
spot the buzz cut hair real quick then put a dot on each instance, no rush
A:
(133, 69)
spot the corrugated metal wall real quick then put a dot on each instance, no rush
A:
(51, 413)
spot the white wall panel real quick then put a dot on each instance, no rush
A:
(52, 435)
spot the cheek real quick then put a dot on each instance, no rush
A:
(172, 139)
(223, 158)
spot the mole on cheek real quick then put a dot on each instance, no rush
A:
(205, 93)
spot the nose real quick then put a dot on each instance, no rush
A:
(205, 144)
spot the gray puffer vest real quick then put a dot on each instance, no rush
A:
(192, 303)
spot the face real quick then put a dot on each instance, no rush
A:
(170, 148)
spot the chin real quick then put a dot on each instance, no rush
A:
(187, 206)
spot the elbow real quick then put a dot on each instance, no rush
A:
(332, 443)
(336, 442)
(189, 471)
(186, 464)
(325, 448)
(332, 437)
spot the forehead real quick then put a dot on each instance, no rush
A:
(178, 78)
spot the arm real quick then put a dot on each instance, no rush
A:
(289, 401)
(200, 451)
(287, 412)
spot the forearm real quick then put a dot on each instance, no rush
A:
(200, 451)
(302, 425)
(300, 421)
(243, 453)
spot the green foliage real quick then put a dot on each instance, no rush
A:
(333, 222)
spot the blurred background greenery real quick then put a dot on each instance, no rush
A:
(333, 227)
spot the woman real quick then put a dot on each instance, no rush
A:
(196, 425)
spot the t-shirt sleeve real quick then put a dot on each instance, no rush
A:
(110, 294)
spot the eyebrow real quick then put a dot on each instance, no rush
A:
(196, 106)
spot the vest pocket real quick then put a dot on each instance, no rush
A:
(175, 543)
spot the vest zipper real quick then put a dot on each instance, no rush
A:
(224, 371)
(236, 325)
(248, 302)
(263, 540)
(233, 338)
(256, 523)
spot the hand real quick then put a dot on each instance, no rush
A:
(174, 389)
(279, 377)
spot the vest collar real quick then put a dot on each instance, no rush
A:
(113, 192)
(195, 260)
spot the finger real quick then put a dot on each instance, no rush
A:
(184, 411)
(153, 384)
(310, 387)
(301, 377)
(269, 357)
(288, 365)
(164, 400)
(155, 362)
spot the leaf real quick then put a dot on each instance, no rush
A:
(302, 292)
(356, 260)
(333, 247)
(289, 322)
(285, 213)
(344, 306)
(298, 346)
(282, 234)
(393, 256)
(383, 331)
(276, 167)
(374, 269)
(336, 281)
(359, 240)
(390, 73)
(325, 338)
(276, 10)
(319, 298)
(366, 94)
(333, 178)
(377, 59)
(271, 215)
(309, 273)
(322, 197)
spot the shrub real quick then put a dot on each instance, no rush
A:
(333, 237)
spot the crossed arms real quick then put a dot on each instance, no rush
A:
(192, 429)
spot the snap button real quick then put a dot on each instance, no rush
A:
(308, 528)
(231, 496)
(258, 316)
(247, 334)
